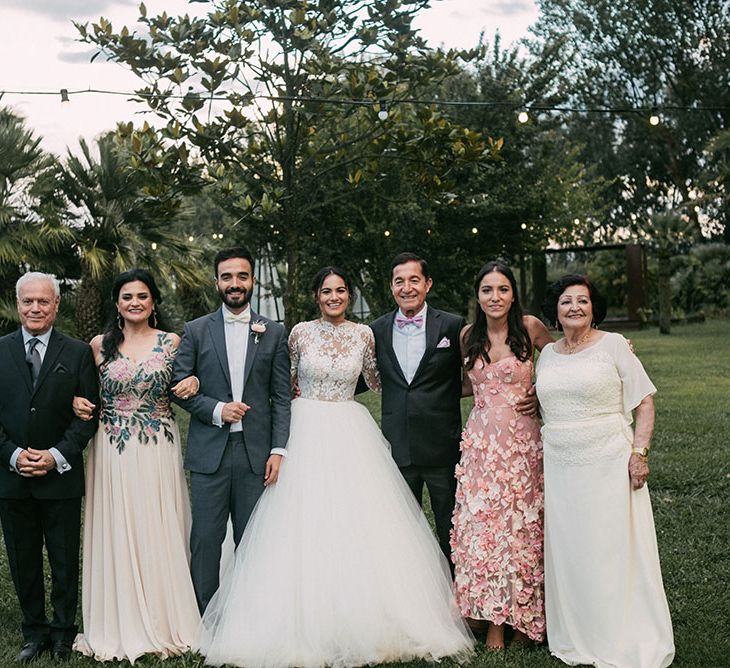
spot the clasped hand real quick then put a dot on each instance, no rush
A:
(32, 463)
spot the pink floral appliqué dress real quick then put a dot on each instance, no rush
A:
(497, 535)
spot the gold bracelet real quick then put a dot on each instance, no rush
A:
(642, 452)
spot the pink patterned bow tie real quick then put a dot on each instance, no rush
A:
(416, 320)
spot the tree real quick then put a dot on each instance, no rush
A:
(120, 218)
(30, 228)
(270, 125)
(670, 233)
(644, 55)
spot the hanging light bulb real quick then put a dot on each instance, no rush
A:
(474, 230)
(387, 233)
(654, 118)
(154, 245)
(191, 238)
(383, 113)
(64, 96)
(523, 116)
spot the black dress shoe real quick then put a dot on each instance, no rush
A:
(31, 650)
(62, 649)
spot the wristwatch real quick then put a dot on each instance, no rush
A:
(642, 452)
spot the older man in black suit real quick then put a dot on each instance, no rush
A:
(41, 462)
(420, 369)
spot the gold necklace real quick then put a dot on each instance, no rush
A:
(571, 348)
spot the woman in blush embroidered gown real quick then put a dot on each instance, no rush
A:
(338, 565)
(604, 596)
(137, 594)
(498, 518)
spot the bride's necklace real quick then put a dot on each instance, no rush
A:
(572, 347)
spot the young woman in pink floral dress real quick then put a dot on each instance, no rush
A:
(497, 536)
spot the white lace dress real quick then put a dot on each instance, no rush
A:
(337, 566)
(604, 599)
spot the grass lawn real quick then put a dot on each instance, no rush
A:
(690, 485)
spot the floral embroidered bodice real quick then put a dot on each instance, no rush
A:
(327, 359)
(134, 398)
(500, 384)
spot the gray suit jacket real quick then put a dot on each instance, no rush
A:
(266, 389)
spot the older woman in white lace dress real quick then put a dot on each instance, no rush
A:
(604, 599)
(338, 565)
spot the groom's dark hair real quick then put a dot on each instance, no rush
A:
(402, 258)
(228, 253)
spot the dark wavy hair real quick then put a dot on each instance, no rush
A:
(321, 275)
(113, 335)
(402, 258)
(229, 253)
(550, 303)
(476, 340)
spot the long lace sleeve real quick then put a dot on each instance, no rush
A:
(294, 352)
(369, 362)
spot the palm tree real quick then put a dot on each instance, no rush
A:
(31, 228)
(120, 218)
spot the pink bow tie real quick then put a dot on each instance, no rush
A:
(416, 320)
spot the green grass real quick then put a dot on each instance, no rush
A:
(690, 486)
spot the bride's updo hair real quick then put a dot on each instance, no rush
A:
(322, 274)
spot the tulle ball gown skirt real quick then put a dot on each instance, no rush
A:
(338, 566)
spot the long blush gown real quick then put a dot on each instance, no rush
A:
(137, 594)
(497, 537)
(338, 565)
(604, 596)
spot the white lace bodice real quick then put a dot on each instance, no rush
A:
(326, 360)
(586, 400)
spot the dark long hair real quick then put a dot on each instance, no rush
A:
(113, 335)
(476, 340)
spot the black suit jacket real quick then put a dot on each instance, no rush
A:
(42, 418)
(422, 420)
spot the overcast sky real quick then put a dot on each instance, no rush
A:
(39, 51)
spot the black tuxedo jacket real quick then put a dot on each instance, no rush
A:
(42, 418)
(422, 420)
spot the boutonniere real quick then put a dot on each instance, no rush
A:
(258, 328)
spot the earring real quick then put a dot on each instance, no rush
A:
(120, 322)
(154, 318)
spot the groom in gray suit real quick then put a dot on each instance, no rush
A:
(239, 418)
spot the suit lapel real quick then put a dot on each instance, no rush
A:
(55, 345)
(388, 338)
(433, 329)
(251, 349)
(218, 337)
(17, 350)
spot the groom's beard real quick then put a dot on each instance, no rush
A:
(235, 297)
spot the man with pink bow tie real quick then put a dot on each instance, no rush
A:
(419, 361)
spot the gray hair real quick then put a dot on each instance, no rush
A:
(32, 276)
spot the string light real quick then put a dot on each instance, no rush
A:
(191, 238)
(474, 230)
(654, 118)
(523, 116)
(154, 245)
(387, 233)
(383, 113)
(205, 97)
(64, 96)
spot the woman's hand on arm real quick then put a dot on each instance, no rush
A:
(83, 408)
(186, 388)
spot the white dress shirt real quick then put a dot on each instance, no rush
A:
(237, 335)
(42, 346)
(409, 344)
(236, 347)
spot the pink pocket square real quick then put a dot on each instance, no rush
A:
(444, 343)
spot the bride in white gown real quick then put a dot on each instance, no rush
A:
(338, 565)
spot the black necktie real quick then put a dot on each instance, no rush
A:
(33, 358)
